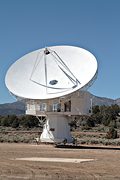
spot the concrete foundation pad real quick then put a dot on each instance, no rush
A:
(68, 160)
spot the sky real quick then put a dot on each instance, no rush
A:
(27, 25)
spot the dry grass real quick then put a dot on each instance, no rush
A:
(12, 136)
(95, 138)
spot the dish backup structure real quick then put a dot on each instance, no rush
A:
(52, 82)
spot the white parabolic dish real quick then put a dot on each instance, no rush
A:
(51, 72)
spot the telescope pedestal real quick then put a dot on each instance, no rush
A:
(56, 129)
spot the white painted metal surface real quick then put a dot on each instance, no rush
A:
(56, 129)
(45, 75)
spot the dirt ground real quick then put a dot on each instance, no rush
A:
(105, 164)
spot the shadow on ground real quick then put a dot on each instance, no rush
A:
(67, 146)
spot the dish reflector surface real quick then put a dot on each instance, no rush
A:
(51, 72)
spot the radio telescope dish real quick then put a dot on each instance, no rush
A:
(49, 80)
(51, 72)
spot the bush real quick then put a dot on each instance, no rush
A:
(112, 133)
(96, 109)
(90, 122)
(15, 123)
(4, 122)
(73, 124)
(29, 122)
